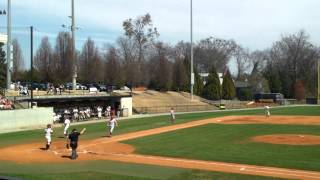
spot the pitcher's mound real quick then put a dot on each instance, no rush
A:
(290, 139)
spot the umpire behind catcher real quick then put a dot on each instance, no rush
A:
(73, 141)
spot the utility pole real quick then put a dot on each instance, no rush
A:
(31, 63)
(74, 76)
(9, 60)
(191, 63)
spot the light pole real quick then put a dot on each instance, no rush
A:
(74, 76)
(73, 56)
(191, 63)
(9, 61)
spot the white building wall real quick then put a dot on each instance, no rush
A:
(126, 103)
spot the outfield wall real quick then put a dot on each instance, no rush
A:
(24, 119)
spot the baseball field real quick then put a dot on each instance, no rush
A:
(241, 144)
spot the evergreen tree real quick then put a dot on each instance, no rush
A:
(228, 88)
(186, 63)
(212, 88)
(274, 81)
(3, 67)
(198, 84)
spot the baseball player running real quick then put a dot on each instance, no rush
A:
(48, 131)
(112, 123)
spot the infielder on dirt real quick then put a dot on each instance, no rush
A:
(267, 111)
(48, 131)
(72, 140)
(112, 123)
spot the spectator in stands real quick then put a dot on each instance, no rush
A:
(5, 104)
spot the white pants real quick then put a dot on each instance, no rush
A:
(111, 128)
(66, 129)
(48, 138)
(99, 114)
(268, 113)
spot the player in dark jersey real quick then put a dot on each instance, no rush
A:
(73, 142)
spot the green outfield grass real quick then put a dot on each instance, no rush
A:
(111, 170)
(115, 170)
(231, 143)
(97, 130)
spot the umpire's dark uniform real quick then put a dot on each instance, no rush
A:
(73, 137)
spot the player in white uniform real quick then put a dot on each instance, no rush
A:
(267, 111)
(66, 126)
(48, 131)
(99, 109)
(173, 118)
(112, 123)
(108, 111)
(88, 112)
(75, 114)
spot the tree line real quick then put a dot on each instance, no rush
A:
(138, 58)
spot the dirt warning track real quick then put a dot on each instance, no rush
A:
(111, 149)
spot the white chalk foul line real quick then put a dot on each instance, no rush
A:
(296, 173)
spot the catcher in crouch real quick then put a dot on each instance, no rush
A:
(73, 141)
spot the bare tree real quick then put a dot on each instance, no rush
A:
(214, 51)
(142, 33)
(113, 73)
(128, 55)
(44, 60)
(18, 61)
(160, 68)
(91, 66)
(63, 63)
(295, 57)
(241, 56)
(258, 61)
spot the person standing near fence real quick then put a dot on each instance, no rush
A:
(172, 115)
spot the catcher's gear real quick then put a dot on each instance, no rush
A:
(67, 146)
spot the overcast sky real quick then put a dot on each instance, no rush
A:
(254, 24)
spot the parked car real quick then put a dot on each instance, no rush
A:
(101, 87)
(78, 86)
(111, 88)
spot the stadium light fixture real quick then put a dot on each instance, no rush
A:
(191, 53)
